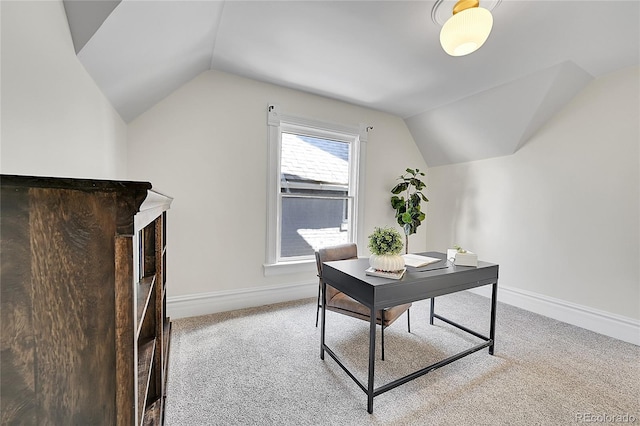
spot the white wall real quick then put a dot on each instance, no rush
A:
(206, 145)
(561, 215)
(55, 121)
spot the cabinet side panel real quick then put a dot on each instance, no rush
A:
(126, 346)
(17, 392)
(72, 243)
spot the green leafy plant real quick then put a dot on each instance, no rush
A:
(459, 249)
(408, 212)
(385, 241)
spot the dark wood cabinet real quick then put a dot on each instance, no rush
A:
(84, 336)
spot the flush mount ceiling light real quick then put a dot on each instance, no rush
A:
(467, 29)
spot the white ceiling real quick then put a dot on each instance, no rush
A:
(383, 55)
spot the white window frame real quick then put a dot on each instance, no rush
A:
(356, 136)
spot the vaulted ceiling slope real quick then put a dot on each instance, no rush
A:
(383, 55)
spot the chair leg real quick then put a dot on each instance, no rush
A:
(318, 306)
(382, 331)
(408, 322)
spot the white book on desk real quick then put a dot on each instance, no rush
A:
(418, 261)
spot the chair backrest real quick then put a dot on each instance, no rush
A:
(328, 254)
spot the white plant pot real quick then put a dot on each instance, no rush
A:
(386, 262)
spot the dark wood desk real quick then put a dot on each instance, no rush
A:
(376, 293)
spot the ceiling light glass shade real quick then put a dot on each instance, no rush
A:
(466, 31)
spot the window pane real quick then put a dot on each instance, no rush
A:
(313, 165)
(317, 167)
(312, 223)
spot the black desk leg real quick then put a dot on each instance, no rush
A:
(324, 315)
(433, 303)
(372, 360)
(494, 302)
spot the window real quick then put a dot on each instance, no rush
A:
(313, 187)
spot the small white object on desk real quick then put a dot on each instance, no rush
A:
(466, 259)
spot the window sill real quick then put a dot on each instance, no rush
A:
(283, 268)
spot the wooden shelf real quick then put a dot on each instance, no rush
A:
(153, 325)
(153, 413)
(110, 308)
(145, 288)
(145, 362)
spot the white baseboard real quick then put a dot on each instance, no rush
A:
(612, 325)
(228, 300)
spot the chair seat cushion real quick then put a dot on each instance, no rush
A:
(344, 304)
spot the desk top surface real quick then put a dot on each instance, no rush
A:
(349, 277)
(356, 269)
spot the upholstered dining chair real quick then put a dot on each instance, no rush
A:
(343, 304)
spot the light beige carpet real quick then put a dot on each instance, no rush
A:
(261, 366)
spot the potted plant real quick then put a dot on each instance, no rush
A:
(385, 245)
(408, 212)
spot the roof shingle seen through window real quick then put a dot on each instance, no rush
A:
(311, 159)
